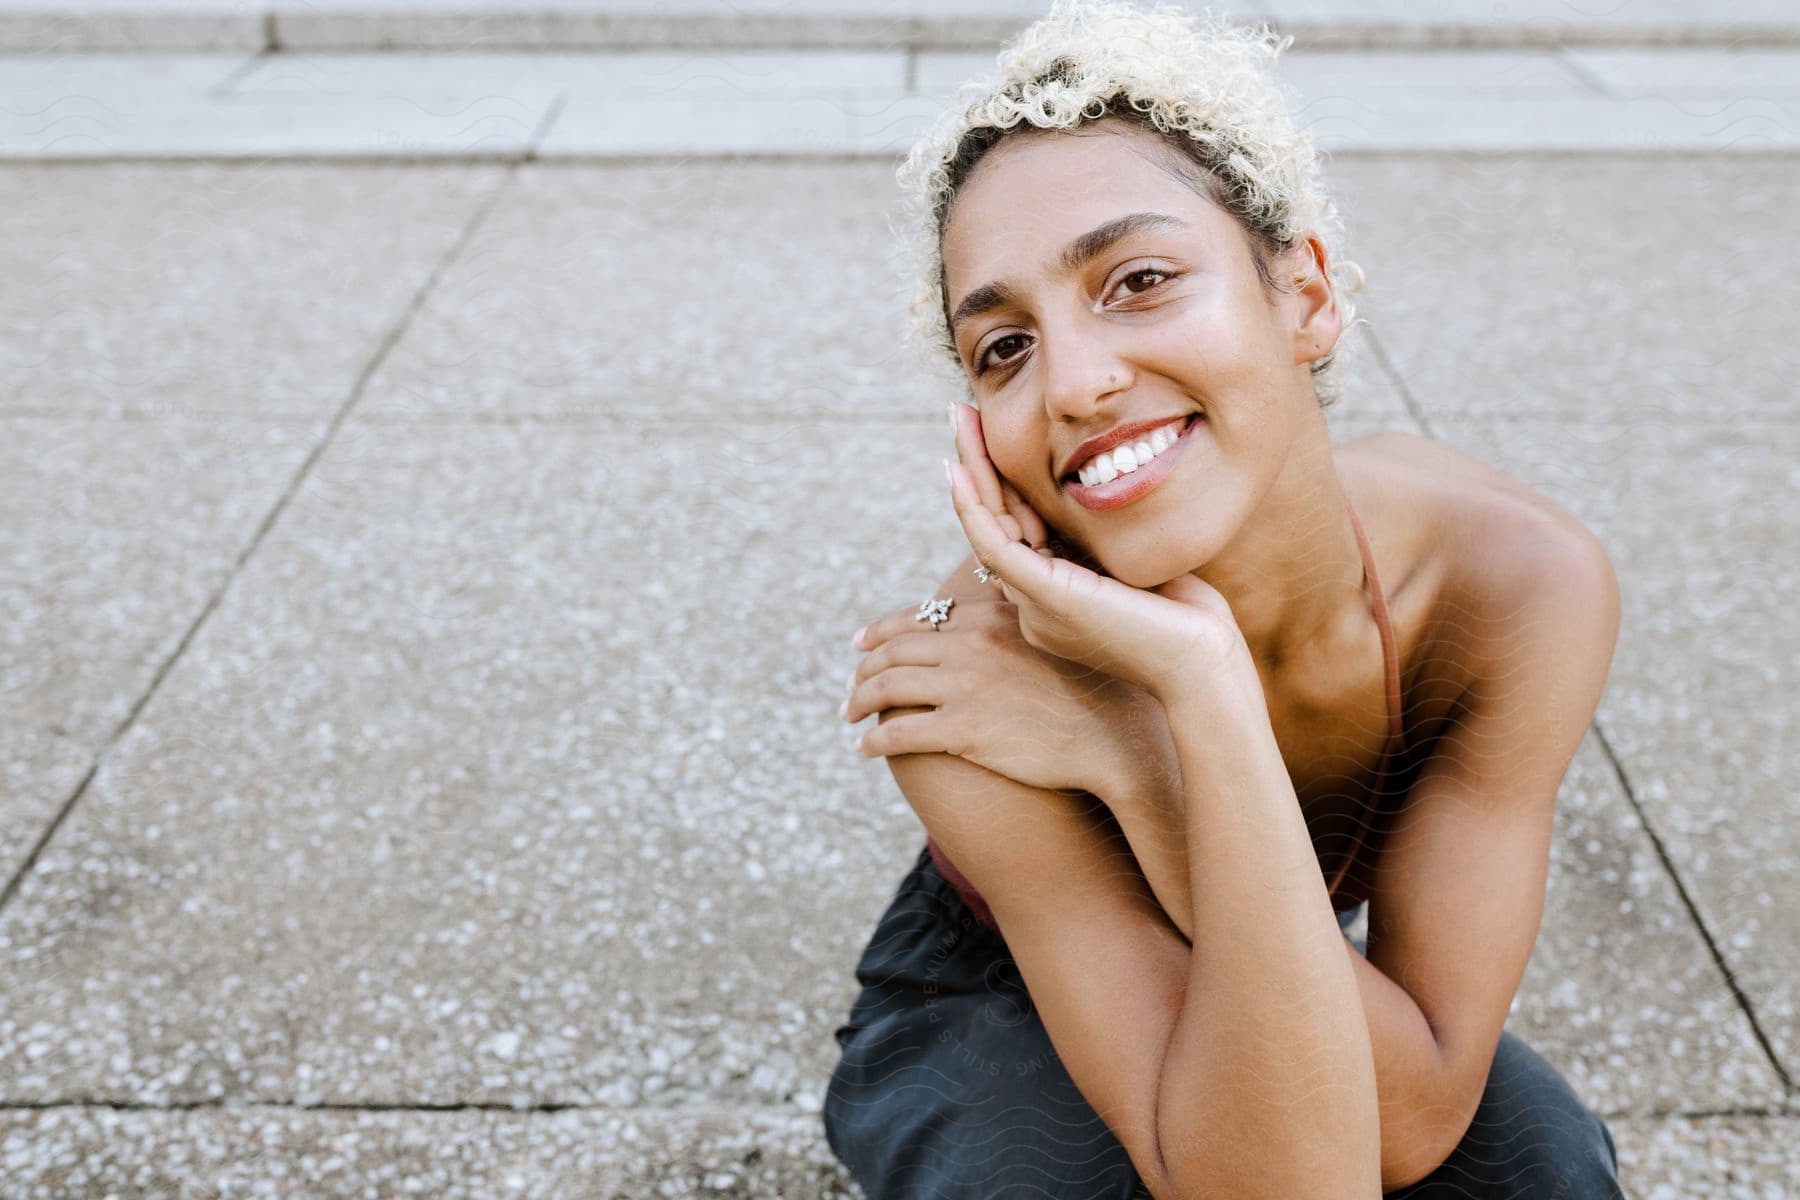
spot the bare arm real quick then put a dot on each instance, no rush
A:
(1268, 1085)
(1248, 1093)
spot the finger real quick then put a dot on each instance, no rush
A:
(911, 733)
(906, 650)
(1031, 526)
(899, 622)
(896, 687)
(971, 451)
(1026, 573)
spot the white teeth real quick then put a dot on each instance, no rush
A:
(1122, 460)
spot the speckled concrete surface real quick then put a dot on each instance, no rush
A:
(206, 291)
(113, 536)
(1618, 969)
(1699, 705)
(1720, 1158)
(1609, 287)
(506, 774)
(256, 1151)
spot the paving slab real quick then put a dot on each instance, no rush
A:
(601, 291)
(1699, 709)
(1621, 992)
(259, 1151)
(202, 291)
(1610, 287)
(593, 291)
(114, 535)
(1721, 1158)
(426, 816)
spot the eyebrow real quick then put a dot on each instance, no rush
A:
(1076, 255)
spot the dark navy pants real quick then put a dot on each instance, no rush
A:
(948, 1086)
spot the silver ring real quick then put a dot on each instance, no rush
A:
(935, 611)
(986, 576)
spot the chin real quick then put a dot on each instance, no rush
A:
(1143, 573)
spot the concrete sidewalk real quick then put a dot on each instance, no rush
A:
(427, 564)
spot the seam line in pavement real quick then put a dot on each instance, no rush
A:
(235, 76)
(470, 225)
(1575, 67)
(1386, 363)
(1748, 1112)
(545, 124)
(1687, 901)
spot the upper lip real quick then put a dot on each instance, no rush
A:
(1118, 435)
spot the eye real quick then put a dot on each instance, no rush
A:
(982, 360)
(1160, 276)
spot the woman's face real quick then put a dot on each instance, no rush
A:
(1072, 321)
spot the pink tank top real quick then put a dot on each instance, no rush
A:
(1390, 653)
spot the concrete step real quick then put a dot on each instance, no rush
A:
(86, 26)
(837, 103)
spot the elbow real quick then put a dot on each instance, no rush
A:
(1434, 1136)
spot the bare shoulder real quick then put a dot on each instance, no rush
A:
(1510, 565)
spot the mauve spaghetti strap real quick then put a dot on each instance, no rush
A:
(1390, 654)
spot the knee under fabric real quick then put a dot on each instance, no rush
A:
(948, 1085)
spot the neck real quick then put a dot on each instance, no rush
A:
(1294, 572)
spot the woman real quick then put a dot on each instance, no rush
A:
(1207, 685)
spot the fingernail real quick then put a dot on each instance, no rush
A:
(947, 477)
(850, 679)
(856, 638)
(843, 709)
(950, 411)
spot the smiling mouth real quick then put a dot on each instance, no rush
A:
(1129, 457)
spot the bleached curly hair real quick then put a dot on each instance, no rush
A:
(1195, 77)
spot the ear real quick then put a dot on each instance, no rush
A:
(1305, 269)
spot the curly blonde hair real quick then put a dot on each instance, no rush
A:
(1196, 78)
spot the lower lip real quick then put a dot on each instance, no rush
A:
(1126, 488)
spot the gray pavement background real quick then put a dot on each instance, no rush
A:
(436, 496)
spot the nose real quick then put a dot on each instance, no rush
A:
(1078, 370)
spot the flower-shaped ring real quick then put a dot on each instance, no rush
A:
(935, 611)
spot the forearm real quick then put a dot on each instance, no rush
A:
(1268, 1082)
(1417, 1131)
